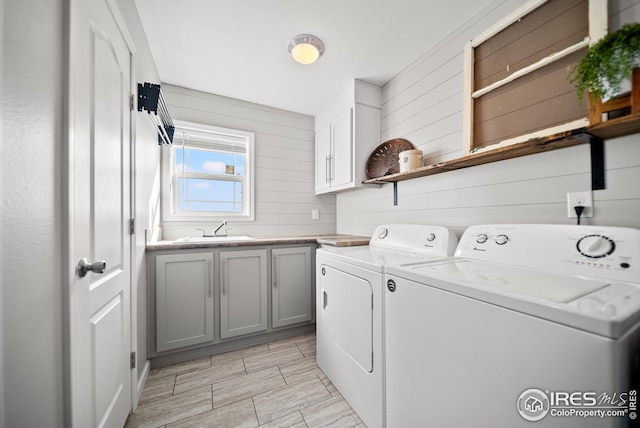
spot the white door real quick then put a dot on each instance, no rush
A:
(99, 213)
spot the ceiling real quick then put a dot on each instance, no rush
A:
(238, 48)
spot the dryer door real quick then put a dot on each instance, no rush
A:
(345, 313)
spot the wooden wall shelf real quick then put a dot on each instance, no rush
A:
(611, 129)
(538, 145)
(594, 135)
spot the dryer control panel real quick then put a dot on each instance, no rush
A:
(598, 251)
(416, 238)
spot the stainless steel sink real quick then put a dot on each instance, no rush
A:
(221, 238)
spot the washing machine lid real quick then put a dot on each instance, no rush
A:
(603, 307)
(510, 280)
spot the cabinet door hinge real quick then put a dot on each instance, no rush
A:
(133, 360)
(132, 226)
(132, 102)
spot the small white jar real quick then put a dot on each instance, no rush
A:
(410, 159)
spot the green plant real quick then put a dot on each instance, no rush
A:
(608, 62)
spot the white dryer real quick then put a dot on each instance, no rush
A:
(349, 313)
(528, 325)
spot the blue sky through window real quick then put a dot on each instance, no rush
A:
(203, 190)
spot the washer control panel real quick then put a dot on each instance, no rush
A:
(606, 252)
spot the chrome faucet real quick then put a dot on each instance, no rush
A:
(215, 232)
(224, 223)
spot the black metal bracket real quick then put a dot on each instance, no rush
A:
(395, 193)
(597, 163)
(150, 99)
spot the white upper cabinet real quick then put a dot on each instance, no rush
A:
(347, 131)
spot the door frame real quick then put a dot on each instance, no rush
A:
(76, 11)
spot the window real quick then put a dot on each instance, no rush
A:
(208, 174)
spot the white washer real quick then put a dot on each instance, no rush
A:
(526, 322)
(349, 314)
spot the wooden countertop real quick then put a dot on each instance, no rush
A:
(336, 240)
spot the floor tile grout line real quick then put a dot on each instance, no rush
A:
(255, 412)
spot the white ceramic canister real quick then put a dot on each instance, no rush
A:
(410, 159)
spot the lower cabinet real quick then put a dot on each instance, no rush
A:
(291, 298)
(243, 292)
(210, 296)
(184, 300)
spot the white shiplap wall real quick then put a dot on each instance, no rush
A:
(424, 105)
(284, 164)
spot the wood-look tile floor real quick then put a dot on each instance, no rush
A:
(277, 384)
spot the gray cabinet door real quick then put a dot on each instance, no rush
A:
(184, 300)
(291, 286)
(243, 292)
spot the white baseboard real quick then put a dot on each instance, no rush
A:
(141, 383)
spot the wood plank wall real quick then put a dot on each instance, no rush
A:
(543, 98)
(284, 160)
(424, 104)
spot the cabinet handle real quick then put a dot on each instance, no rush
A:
(224, 277)
(331, 169)
(275, 272)
(209, 277)
(324, 299)
(327, 168)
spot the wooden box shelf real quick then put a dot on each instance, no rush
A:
(627, 104)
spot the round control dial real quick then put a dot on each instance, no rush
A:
(501, 239)
(482, 238)
(383, 233)
(431, 237)
(596, 246)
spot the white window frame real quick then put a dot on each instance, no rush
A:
(598, 25)
(221, 135)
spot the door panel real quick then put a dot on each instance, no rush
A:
(346, 313)
(243, 289)
(106, 327)
(342, 166)
(291, 286)
(184, 300)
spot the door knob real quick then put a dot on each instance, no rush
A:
(84, 266)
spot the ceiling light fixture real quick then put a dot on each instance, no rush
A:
(305, 48)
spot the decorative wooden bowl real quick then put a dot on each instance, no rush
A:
(384, 159)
